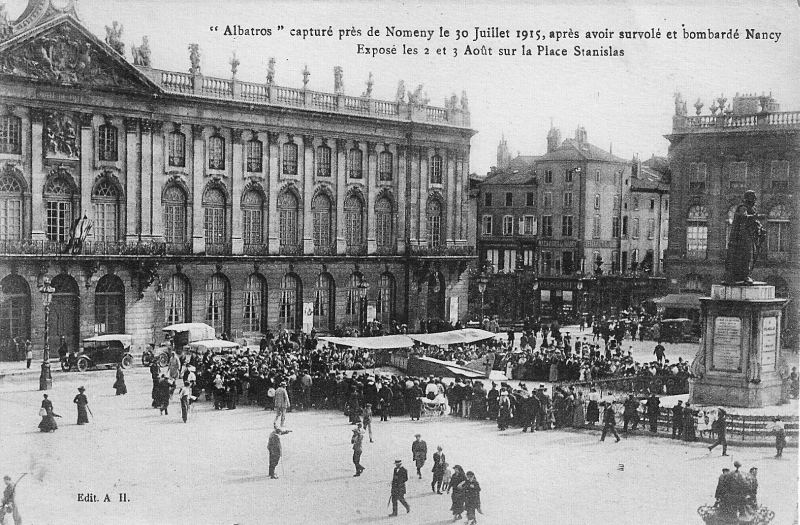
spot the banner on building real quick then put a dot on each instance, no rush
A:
(372, 312)
(308, 317)
(453, 310)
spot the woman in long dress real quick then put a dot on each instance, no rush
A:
(688, 423)
(82, 403)
(48, 423)
(578, 419)
(119, 384)
(593, 410)
(457, 498)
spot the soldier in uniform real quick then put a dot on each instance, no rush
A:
(419, 453)
(399, 478)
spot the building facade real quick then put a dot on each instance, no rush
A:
(150, 197)
(714, 159)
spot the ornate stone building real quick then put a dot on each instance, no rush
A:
(714, 158)
(150, 197)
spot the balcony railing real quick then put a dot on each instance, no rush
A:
(781, 119)
(452, 251)
(51, 248)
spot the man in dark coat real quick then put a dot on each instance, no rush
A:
(358, 447)
(677, 420)
(419, 453)
(439, 460)
(630, 414)
(275, 450)
(399, 478)
(720, 426)
(609, 423)
(653, 408)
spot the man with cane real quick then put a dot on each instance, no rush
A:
(399, 478)
(275, 450)
(9, 502)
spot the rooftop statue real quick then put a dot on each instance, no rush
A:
(271, 70)
(744, 244)
(194, 58)
(141, 54)
(338, 82)
(400, 95)
(680, 105)
(114, 37)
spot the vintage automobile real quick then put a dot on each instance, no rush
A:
(102, 350)
(178, 336)
(679, 331)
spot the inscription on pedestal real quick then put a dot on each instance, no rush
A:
(727, 344)
(769, 343)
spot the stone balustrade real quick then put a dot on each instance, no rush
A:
(702, 123)
(273, 95)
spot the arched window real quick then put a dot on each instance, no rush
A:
(354, 222)
(697, 232)
(58, 193)
(252, 218)
(10, 134)
(353, 305)
(255, 302)
(217, 304)
(107, 142)
(384, 234)
(10, 206)
(287, 212)
(436, 170)
(174, 202)
(291, 304)
(778, 229)
(254, 156)
(216, 152)
(324, 302)
(321, 212)
(385, 171)
(355, 161)
(384, 306)
(15, 311)
(177, 149)
(323, 161)
(109, 306)
(177, 300)
(214, 217)
(434, 211)
(105, 204)
(290, 158)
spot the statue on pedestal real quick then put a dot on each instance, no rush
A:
(744, 245)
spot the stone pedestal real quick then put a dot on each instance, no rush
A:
(741, 347)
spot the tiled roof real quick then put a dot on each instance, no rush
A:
(510, 177)
(570, 149)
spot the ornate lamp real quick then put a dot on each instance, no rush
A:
(45, 377)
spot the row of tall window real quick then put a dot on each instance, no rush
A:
(697, 222)
(107, 201)
(567, 225)
(530, 199)
(527, 225)
(738, 177)
(177, 292)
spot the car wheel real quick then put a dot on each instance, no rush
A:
(83, 364)
(163, 360)
(127, 361)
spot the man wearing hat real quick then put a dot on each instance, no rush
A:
(82, 403)
(358, 443)
(419, 453)
(9, 504)
(720, 426)
(282, 404)
(399, 478)
(275, 450)
(609, 422)
(504, 410)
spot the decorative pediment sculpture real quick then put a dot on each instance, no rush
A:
(66, 55)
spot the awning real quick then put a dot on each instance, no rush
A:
(687, 301)
(373, 343)
(463, 336)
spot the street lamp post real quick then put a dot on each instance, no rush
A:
(535, 286)
(363, 287)
(46, 377)
(482, 282)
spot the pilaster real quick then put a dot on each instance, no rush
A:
(422, 216)
(414, 182)
(235, 186)
(341, 188)
(372, 178)
(84, 177)
(306, 153)
(132, 177)
(401, 233)
(450, 194)
(272, 194)
(198, 160)
(146, 179)
(37, 174)
(156, 176)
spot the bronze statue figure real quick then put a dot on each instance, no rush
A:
(744, 244)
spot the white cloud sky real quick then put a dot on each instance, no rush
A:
(626, 101)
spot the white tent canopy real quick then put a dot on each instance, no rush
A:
(463, 336)
(373, 343)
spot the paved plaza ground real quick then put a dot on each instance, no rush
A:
(213, 470)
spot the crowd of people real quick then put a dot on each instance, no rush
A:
(736, 496)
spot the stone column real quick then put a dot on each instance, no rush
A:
(157, 165)
(263, 137)
(198, 172)
(414, 181)
(306, 160)
(272, 194)
(341, 189)
(466, 220)
(84, 177)
(147, 179)
(236, 181)
(133, 208)
(38, 176)
(401, 233)
(422, 216)
(460, 180)
(450, 194)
